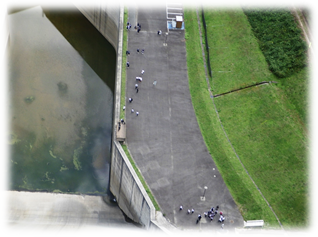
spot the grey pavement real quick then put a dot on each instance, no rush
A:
(165, 140)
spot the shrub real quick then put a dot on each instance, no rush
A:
(279, 39)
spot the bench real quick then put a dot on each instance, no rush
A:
(253, 223)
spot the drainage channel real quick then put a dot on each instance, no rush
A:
(257, 84)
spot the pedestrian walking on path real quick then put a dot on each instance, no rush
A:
(181, 207)
(139, 79)
(142, 51)
(128, 64)
(159, 32)
(124, 107)
(137, 50)
(130, 99)
(188, 211)
(192, 211)
(136, 86)
(137, 113)
(132, 111)
(142, 72)
(127, 52)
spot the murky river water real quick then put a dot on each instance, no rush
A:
(61, 76)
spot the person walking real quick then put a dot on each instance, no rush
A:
(142, 72)
(130, 99)
(137, 113)
(128, 64)
(132, 111)
(180, 208)
(136, 86)
(137, 50)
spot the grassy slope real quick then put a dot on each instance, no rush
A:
(230, 41)
(249, 201)
(261, 123)
(295, 88)
(271, 144)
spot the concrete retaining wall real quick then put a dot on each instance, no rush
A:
(4, 32)
(131, 196)
(125, 185)
(127, 188)
(105, 17)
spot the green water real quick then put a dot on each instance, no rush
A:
(61, 74)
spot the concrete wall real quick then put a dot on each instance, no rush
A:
(125, 185)
(131, 196)
(4, 32)
(105, 17)
(127, 188)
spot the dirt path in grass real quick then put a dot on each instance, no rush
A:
(307, 33)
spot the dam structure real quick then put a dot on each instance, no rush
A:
(58, 213)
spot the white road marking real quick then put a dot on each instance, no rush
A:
(176, 13)
(175, 8)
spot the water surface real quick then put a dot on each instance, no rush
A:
(61, 102)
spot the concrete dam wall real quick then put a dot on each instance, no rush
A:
(125, 185)
(106, 19)
(4, 32)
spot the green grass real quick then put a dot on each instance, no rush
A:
(141, 178)
(123, 68)
(296, 91)
(246, 196)
(123, 112)
(234, 61)
(272, 146)
(261, 123)
(279, 39)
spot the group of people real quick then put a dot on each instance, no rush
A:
(138, 27)
(211, 214)
(138, 78)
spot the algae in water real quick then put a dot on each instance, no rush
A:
(76, 162)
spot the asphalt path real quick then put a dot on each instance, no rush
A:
(164, 139)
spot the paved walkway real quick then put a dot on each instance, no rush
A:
(165, 140)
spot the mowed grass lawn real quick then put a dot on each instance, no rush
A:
(262, 123)
(272, 146)
(235, 60)
(246, 196)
